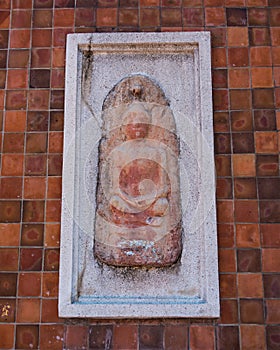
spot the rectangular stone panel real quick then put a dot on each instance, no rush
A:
(138, 236)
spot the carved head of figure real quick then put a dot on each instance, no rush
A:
(136, 121)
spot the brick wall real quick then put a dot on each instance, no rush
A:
(246, 90)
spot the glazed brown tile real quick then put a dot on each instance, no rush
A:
(247, 236)
(215, 16)
(40, 78)
(275, 33)
(10, 211)
(51, 260)
(201, 337)
(271, 285)
(99, 335)
(227, 260)
(54, 165)
(92, 3)
(33, 211)
(43, 3)
(263, 98)
(237, 36)
(29, 284)
(37, 121)
(240, 99)
(3, 58)
(41, 37)
(32, 235)
(59, 36)
(50, 284)
(27, 336)
(243, 142)
(224, 188)
(246, 211)
(266, 142)
(50, 311)
(106, 17)
(8, 284)
(260, 56)
(17, 79)
(272, 311)
(52, 235)
(220, 100)
(54, 187)
(31, 259)
(276, 55)
(245, 188)
(34, 187)
(248, 260)
(57, 99)
(271, 260)
(251, 311)
(113, 3)
(218, 36)
(21, 4)
(8, 259)
(228, 286)
(8, 309)
(261, 77)
(241, 121)
(2, 79)
(21, 18)
(76, 336)
(12, 164)
(225, 211)
(35, 165)
(236, 16)
(259, 36)
(225, 235)
(264, 120)
(219, 78)
(269, 188)
(272, 337)
(270, 211)
(7, 336)
(16, 99)
(41, 58)
(10, 234)
(239, 78)
(229, 312)
(56, 121)
(28, 310)
(57, 78)
(267, 165)
(244, 165)
(219, 57)
(4, 39)
(258, 17)
(55, 142)
(53, 211)
(174, 334)
(10, 188)
(270, 235)
(223, 165)
(228, 335)
(127, 17)
(13, 143)
(36, 143)
(64, 3)
(38, 100)
(193, 17)
(222, 143)
(51, 337)
(149, 17)
(4, 19)
(252, 337)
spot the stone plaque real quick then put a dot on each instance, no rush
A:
(138, 236)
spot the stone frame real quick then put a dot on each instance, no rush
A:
(181, 64)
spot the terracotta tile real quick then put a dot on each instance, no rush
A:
(267, 165)
(22, 4)
(36, 143)
(222, 143)
(31, 259)
(259, 36)
(225, 235)
(20, 38)
(33, 211)
(271, 284)
(271, 260)
(260, 56)
(246, 211)
(35, 165)
(229, 312)
(76, 336)
(239, 78)
(272, 337)
(237, 36)
(106, 17)
(174, 334)
(214, 2)
(34, 187)
(250, 285)
(228, 335)
(10, 188)
(50, 284)
(38, 100)
(228, 286)
(245, 188)
(5, 4)
(4, 19)
(225, 211)
(8, 284)
(7, 336)
(57, 99)
(53, 211)
(149, 17)
(18, 58)
(257, 17)
(8, 259)
(29, 284)
(9, 234)
(127, 17)
(63, 18)
(252, 337)
(27, 336)
(101, 336)
(123, 3)
(219, 78)
(227, 260)
(21, 18)
(39, 78)
(57, 78)
(52, 235)
(16, 99)
(244, 165)
(17, 79)
(243, 142)
(266, 142)
(276, 56)
(12, 164)
(202, 337)
(219, 58)
(275, 36)
(54, 187)
(257, 3)
(54, 165)
(224, 188)
(59, 36)
(270, 235)
(51, 337)
(43, 3)
(55, 142)
(215, 16)
(37, 121)
(251, 311)
(50, 311)
(15, 121)
(236, 16)
(276, 76)
(170, 17)
(247, 236)
(10, 211)
(220, 99)
(240, 99)
(143, 3)
(85, 17)
(13, 143)
(218, 36)
(51, 260)
(41, 37)
(193, 17)
(41, 58)
(28, 310)
(270, 211)
(272, 311)
(261, 77)
(58, 57)
(8, 310)
(32, 235)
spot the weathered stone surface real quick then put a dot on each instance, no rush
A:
(138, 220)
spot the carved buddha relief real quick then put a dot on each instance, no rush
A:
(138, 216)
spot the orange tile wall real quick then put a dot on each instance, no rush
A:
(246, 99)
